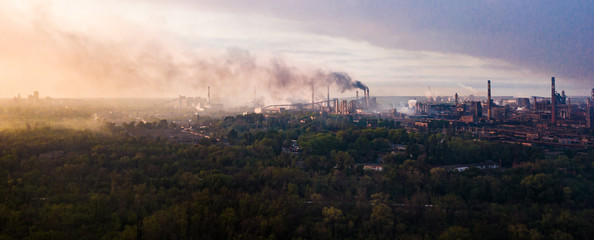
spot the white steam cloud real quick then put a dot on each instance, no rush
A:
(468, 89)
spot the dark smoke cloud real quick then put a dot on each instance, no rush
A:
(344, 81)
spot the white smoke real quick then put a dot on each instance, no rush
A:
(408, 108)
(429, 95)
(412, 103)
(468, 89)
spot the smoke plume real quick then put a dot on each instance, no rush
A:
(38, 53)
(344, 81)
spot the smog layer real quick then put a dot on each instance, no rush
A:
(129, 61)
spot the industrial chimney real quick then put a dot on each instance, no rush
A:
(367, 99)
(553, 102)
(364, 99)
(489, 100)
(328, 104)
(456, 99)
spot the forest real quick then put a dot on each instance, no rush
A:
(244, 183)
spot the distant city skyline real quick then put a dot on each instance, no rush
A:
(86, 48)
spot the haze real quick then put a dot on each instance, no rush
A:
(276, 49)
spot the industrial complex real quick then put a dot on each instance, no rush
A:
(556, 120)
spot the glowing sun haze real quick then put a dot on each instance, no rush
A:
(84, 48)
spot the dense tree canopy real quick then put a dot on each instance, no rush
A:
(58, 183)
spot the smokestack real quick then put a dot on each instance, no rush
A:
(364, 99)
(456, 99)
(328, 105)
(357, 95)
(553, 102)
(367, 99)
(489, 100)
(208, 96)
(534, 103)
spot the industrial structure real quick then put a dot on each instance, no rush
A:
(557, 110)
(30, 99)
(557, 120)
(332, 106)
(198, 103)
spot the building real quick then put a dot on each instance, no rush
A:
(476, 109)
(523, 102)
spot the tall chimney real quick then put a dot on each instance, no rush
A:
(328, 104)
(553, 102)
(489, 99)
(364, 99)
(208, 101)
(534, 103)
(357, 96)
(456, 99)
(367, 99)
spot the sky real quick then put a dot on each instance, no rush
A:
(277, 50)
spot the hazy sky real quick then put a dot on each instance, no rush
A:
(159, 48)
